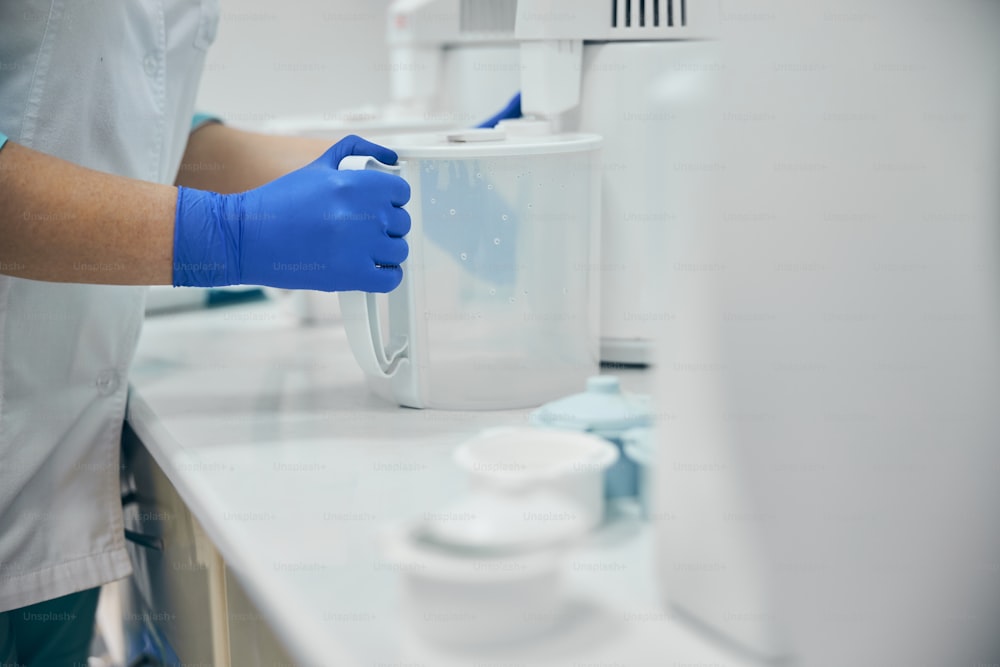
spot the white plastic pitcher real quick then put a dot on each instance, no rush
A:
(499, 304)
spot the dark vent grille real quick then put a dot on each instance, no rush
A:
(648, 13)
(487, 15)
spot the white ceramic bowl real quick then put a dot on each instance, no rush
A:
(527, 460)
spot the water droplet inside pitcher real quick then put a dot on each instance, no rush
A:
(504, 217)
(489, 186)
(496, 241)
(565, 290)
(464, 256)
(479, 174)
(493, 290)
(512, 299)
(452, 211)
(434, 200)
(529, 205)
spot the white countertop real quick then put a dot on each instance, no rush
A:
(266, 429)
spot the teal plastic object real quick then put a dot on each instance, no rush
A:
(200, 119)
(640, 450)
(604, 410)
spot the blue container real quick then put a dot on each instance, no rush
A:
(604, 410)
(640, 450)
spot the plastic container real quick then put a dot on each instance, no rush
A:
(499, 305)
(604, 410)
(528, 460)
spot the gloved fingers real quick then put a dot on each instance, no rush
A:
(385, 279)
(352, 144)
(399, 190)
(397, 222)
(381, 184)
(390, 252)
(512, 110)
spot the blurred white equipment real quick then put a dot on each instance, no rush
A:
(453, 59)
(828, 479)
(451, 65)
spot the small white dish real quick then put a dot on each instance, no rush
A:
(526, 460)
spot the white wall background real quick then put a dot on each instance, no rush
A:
(283, 57)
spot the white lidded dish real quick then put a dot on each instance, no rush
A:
(485, 569)
(499, 304)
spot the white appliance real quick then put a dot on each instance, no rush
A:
(452, 64)
(497, 308)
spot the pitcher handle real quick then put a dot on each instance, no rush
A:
(360, 310)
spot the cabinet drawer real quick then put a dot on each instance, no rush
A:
(251, 642)
(179, 589)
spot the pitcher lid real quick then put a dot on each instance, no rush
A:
(487, 142)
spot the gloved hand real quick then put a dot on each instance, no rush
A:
(512, 110)
(315, 228)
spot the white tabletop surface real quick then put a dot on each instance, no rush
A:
(267, 430)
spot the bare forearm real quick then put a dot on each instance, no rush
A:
(64, 223)
(223, 159)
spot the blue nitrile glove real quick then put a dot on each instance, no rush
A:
(512, 110)
(315, 228)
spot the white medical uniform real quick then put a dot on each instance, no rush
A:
(110, 85)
